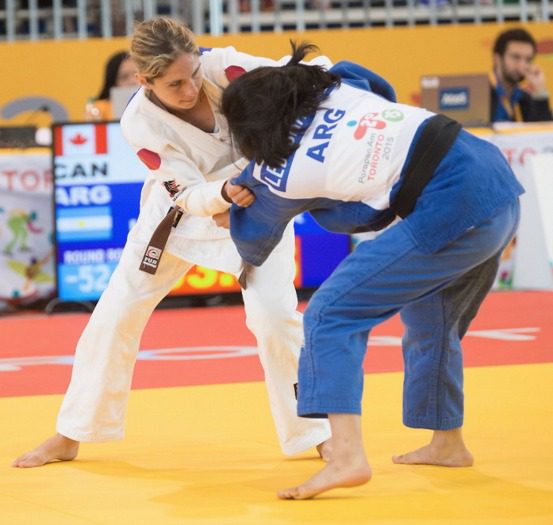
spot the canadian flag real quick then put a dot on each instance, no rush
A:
(80, 139)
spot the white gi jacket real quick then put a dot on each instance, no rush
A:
(186, 161)
(181, 156)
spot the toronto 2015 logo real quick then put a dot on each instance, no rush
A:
(370, 121)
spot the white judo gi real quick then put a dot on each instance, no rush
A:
(185, 161)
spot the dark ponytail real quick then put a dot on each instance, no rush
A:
(263, 106)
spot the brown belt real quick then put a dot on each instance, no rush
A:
(152, 255)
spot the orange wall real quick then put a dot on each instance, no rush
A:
(71, 71)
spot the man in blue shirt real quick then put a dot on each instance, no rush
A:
(513, 55)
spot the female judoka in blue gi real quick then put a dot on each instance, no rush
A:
(335, 143)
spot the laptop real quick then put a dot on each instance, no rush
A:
(119, 97)
(465, 98)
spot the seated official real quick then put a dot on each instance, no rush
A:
(513, 55)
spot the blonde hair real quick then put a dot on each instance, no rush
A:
(157, 43)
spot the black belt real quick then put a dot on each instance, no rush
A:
(436, 138)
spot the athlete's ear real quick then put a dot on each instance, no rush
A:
(143, 81)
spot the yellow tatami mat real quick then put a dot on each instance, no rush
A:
(208, 455)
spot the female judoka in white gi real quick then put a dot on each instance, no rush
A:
(335, 143)
(176, 128)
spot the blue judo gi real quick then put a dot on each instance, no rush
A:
(434, 267)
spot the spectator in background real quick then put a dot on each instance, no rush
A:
(513, 55)
(119, 72)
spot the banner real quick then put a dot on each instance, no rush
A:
(27, 261)
(47, 90)
(541, 182)
(26, 227)
(525, 263)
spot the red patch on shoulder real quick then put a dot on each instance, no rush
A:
(150, 158)
(233, 72)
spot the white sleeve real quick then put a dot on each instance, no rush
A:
(206, 199)
(176, 171)
(217, 61)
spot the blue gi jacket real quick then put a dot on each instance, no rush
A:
(258, 229)
(457, 198)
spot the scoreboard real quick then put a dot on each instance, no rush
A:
(97, 184)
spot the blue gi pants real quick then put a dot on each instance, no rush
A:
(437, 294)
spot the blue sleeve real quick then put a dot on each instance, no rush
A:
(349, 217)
(258, 229)
(362, 78)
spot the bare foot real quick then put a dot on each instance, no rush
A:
(335, 474)
(446, 449)
(325, 450)
(56, 448)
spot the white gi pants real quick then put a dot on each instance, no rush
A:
(95, 404)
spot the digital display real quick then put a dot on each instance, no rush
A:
(97, 184)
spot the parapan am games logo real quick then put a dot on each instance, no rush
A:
(374, 121)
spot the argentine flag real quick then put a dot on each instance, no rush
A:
(89, 223)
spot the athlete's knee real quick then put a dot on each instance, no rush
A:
(272, 318)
